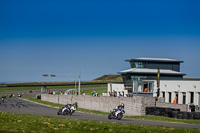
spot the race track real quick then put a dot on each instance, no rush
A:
(16, 105)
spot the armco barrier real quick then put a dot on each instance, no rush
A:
(133, 105)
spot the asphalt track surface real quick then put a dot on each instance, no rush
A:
(16, 105)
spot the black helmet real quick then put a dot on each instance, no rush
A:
(76, 104)
(122, 105)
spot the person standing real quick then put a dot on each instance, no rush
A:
(145, 90)
(175, 100)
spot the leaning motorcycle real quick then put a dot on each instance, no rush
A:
(116, 114)
(67, 110)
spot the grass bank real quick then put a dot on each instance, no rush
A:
(10, 122)
(83, 87)
(144, 117)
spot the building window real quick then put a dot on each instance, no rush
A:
(184, 97)
(163, 94)
(138, 78)
(191, 97)
(176, 96)
(137, 65)
(170, 96)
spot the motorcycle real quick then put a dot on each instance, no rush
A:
(67, 110)
(116, 114)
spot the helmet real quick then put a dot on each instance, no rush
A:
(76, 104)
(122, 105)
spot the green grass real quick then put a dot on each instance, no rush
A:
(90, 90)
(161, 118)
(10, 122)
(144, 117)
(11, 89)
(99, 91)
(84, 87)
(42, 102)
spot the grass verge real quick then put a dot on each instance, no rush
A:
(10, 122)
(144, 117)
(87, 87)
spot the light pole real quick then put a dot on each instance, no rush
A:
(79, 82)
(158, 82)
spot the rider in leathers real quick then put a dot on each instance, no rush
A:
(121, 106)
(69, 107)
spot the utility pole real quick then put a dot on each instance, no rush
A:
(75, 85)
(158, 82)
(158, 86)
(79, 82)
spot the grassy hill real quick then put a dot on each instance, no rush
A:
(108, 78)
(191, 78)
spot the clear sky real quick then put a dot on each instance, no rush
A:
(95, 36)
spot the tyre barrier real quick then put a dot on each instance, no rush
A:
(173, 113)
(190, 115)
(197, 115)
(184, 115)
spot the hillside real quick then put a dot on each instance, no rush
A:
(108, 78)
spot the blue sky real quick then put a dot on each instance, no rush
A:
(63, 37)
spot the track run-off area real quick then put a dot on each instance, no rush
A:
(17, 105)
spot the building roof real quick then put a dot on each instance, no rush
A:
(150, 71)
(155, 60)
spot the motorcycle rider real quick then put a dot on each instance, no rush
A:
(69, 105)
(119, 107)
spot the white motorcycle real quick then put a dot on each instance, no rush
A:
(116, 114)
(67, 110)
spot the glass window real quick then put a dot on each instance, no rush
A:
(138, 78)
(137, 65)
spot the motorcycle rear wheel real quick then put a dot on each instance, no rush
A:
(119, 116)
(71, 112)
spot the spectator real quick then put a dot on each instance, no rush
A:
(114, 93)
(83, 93)
(146, 90)
(175, 100)
(93, 93)
(109, 94)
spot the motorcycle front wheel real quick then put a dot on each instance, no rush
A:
(109, 116)
(59, 112)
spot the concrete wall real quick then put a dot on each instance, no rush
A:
(133, 105)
